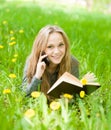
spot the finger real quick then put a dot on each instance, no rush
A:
(43, 64)
(41, 57)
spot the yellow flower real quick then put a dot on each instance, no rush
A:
(21, 31)
(97, 114)
(15, 55)
(11, 32)
(54, 105)
(88, 112)
(29, 113)
(68, 96)
(4, 22)
(82, 94)
(12, 38)
(12, 76)
(14, 60)
(35, 94)
(6, 91)
(1, 46)
(84, 81)
(12, 43)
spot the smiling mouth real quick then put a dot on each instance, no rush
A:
(58, 57)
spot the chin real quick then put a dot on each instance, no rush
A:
(57, 62)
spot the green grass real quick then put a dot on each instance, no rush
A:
(90, 37)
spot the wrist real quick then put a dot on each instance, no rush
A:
(37, 76)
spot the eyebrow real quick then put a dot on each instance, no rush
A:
(58, 42)
(61, 41)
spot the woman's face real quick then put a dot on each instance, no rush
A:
(55, 48)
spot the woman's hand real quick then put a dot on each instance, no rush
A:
(41, 66)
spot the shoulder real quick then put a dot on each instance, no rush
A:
(74, 61)
(74, 66)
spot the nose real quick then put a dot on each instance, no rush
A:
(56, 50)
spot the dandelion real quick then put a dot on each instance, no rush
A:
(12, 38)
(6, 91)
(12, 43)
(12, 76)
(5, 22)
(21, 31)
(14, 60)
(54, 105)
(29, 113)
(84, 81)
(68, 96)
(97, 114)
(11, 32)
(88, 113)
(82, 94)
(1, 46)
(15, 55)
(35, 94)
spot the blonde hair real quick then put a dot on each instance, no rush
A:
(39, 45)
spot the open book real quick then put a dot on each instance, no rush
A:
(68, 83)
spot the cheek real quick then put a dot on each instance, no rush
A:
(47, 51)
(63, 50)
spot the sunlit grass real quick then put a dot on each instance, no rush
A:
(90, 37)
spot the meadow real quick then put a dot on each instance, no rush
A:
(90, 38)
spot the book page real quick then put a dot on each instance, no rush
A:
(93, 84)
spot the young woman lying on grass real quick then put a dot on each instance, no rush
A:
(49, 59)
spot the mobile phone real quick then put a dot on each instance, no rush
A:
(46, 60)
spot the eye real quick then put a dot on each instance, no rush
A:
(50, 46)
(61, 44)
